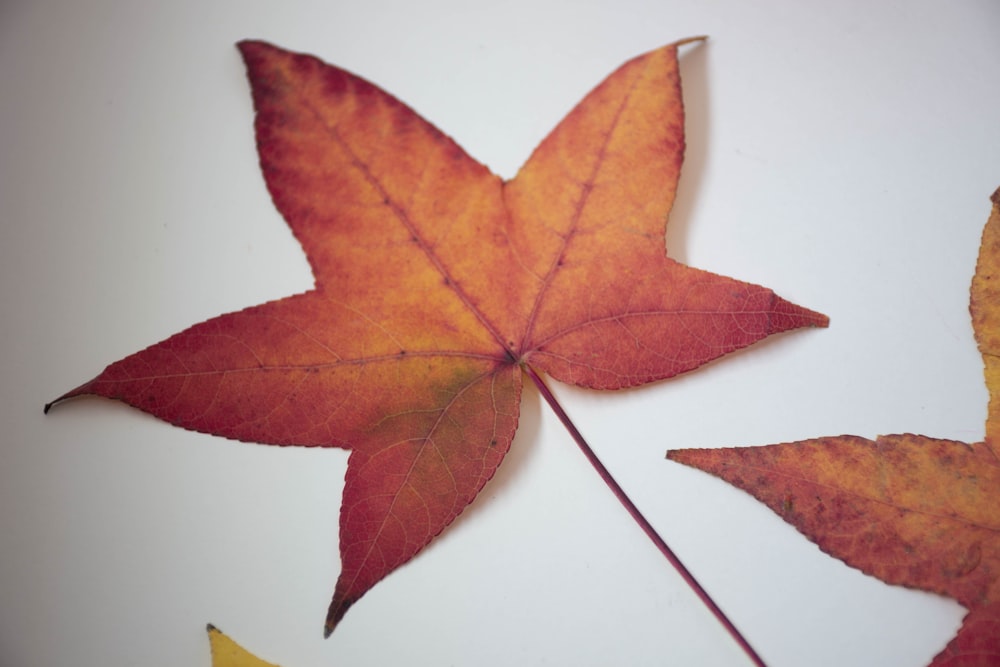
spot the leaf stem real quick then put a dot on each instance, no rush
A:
(640, 519)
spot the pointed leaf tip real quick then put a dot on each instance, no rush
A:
(787, 315)
(54, 402)
(338, 608)
(690, 40)
(246, 46)
(227, 653)
(73, 393)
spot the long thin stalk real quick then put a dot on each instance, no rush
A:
(641, 520)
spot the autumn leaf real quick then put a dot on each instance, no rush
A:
(908, 509)
(437, 286)
(227, 653)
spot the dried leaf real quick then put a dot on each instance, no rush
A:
(436, 282)
(227, 653)
(908, 509)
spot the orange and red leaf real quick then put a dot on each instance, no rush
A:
(908, 509)
(435, 282)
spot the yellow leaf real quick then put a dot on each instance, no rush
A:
(227, 653)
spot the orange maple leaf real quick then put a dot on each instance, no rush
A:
(908, 509)
(437, 285)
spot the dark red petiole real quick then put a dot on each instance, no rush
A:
(640, 519)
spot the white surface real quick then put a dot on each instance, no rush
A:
(841, 153)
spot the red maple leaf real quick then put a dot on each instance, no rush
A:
(438, 286)
(908, 509)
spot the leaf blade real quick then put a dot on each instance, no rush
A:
(401, 494)
(671, 321)
(359, 175)
(887, 507)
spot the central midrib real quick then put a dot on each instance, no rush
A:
(586, 188)
(404, 219)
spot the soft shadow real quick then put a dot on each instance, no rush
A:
(694, 81)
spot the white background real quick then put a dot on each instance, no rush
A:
(841, 153)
